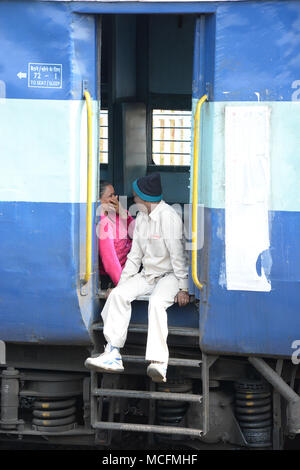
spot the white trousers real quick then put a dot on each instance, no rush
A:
(116, 313)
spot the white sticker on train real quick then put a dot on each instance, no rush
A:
(41, 75)
(247, 187)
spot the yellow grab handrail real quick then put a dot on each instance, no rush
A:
(88, 268)
(195, 194)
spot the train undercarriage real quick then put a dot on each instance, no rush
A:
(208, 401)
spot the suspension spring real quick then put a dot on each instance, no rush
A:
(253, 408)
(54, 415)
(171, 413)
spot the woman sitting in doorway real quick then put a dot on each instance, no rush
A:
(115, 231)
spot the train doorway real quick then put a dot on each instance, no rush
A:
(152, 69)
(146, 91)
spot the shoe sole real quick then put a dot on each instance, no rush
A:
(103, 369)
(156, 376)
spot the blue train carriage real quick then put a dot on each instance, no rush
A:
(81, 84)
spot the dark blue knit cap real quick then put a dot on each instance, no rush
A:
(149, 187)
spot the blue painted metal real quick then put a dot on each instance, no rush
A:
(238, 322)
(256, 51)
(251, 51)
(198, 69)
(42, 256)
(40, 274)
(239, 72)
(243, 322)
(143, 7)
(46, 33)
(185, 317)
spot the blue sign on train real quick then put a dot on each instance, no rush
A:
(44, 75)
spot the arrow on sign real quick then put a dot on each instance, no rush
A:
(22, 75)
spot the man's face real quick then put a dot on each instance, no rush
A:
(142, 205)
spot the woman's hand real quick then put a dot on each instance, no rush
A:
(119, 209)
(115, 204)
(111, 207)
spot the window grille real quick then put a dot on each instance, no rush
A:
(171, 137)
(103, 140)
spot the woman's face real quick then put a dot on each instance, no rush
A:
(108, 195)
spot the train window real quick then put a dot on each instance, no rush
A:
(103, 139)
(171, 137)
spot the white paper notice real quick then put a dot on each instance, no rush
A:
(247, 186)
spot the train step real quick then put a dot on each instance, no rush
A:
(176, 362)
(115, 393)
(109, 391)
(147, 394)
(171, 362)
(142, 328)
(102, 295)
(151, 428)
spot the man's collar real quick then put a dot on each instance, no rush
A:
(153, 214)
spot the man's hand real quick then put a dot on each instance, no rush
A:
(182, 298)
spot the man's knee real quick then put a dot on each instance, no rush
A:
(155, 303)
(120, 292)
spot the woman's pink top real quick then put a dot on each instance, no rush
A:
(114, 244)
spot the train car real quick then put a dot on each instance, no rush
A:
(207, 94)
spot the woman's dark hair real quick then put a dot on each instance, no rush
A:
(103, 186)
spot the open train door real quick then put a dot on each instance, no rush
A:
(202, 92)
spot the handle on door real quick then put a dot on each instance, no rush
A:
(89, 218)
(199, 284)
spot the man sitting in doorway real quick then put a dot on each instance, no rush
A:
(157, 247)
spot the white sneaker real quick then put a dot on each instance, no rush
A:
(158, 371)
(109, 361)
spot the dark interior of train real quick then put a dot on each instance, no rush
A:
(146, 98)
